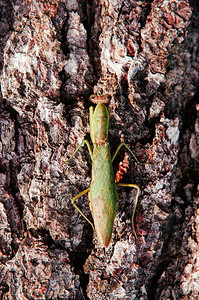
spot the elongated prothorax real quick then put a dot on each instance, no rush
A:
(99, 123)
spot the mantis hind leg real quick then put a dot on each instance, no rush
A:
(136, 200)
(87, 190)
(129, 184)
(73, 201)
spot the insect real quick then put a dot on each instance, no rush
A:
(102, 192)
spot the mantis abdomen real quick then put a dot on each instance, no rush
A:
(103, 194)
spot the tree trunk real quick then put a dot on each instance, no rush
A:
(54, 55)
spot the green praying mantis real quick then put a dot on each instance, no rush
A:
(102, 192)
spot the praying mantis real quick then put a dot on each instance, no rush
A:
(102, 192)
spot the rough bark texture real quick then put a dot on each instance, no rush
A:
(144, 54)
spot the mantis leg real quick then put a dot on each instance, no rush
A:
(136, 200)
(85, 191)
(73, 201)
(118, 148)
(82, 143)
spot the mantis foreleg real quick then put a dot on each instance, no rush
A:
(136, 200)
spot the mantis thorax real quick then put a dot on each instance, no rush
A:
(99, 123)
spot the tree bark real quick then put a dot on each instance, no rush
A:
(54, 55)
